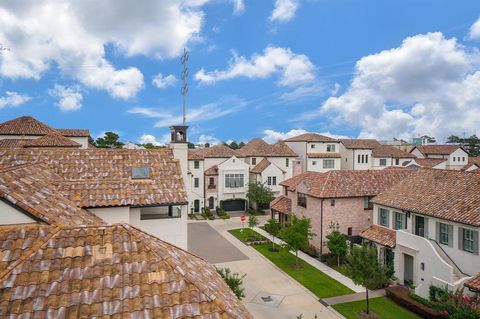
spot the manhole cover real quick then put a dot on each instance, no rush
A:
(268, 299)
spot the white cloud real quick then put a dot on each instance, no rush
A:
(13, 99)
(212, 140)
(428, 85)
(148, 138)
(294, 69)
(305, 91)
(202, 113)
(69, 35)
(238, 6)
(284, 10)
(69, 98)
(272, 136)
(474, 33)
(163, 82)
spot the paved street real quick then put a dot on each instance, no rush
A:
(269, 292)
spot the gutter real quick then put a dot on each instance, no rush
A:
(321, 228)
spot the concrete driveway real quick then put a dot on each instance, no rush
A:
(270, 293)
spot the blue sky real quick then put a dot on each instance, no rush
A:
(257, 68)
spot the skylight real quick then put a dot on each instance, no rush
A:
(140, 172)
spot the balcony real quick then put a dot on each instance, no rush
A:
(212, 186)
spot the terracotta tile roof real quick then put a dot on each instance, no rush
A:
(324, 155)
(471, 167)
(311, 137)
(215, 151)
(282, 204)
(103, 177)
(73, 132)
(115, 271)
(437, 149)
(260, 167)
(474, 160)
(474, 282)
(24, 125)
(33, 188)
(213, 170)
(429, 162)
(360, 143)
(446, 194)
(51, 140)
(12, 143)
(258, 147)
(390, 151)
(381, 235)
(347, 183)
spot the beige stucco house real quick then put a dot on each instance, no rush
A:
(455, 156)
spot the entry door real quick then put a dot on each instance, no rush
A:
(420, 226)
(407, 269)
(210, 202)
(196, 206)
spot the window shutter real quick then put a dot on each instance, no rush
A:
(475, 242)
(460, 238)
(450, 235)
(425, 229)
(437, 232)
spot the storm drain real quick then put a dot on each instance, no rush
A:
(268, 299)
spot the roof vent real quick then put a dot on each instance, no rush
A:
(140, 172)
(157, 276)
(101, 252)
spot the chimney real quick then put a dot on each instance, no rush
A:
(179, 145)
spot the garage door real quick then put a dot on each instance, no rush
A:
(233, 205)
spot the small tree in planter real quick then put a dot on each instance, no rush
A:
(365, 269)
(233, 280)
(259, 194)
(297, 235)
(337, 242)
(252, 223)
(273, 228)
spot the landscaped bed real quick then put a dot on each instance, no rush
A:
(382, 307)
(310, 277)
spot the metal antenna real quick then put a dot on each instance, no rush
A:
(184, 60)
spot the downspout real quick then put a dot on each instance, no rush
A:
(321, 229)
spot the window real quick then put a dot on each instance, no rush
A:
(330, 147)
(366, 158)
(314, 163)
(332, 202)
(233, 180)
(463, 159)
(367, 204)
(287, 162)
(454, 159)
(211, 182)
(383, 216)
(269, 180)
(400, 221)
(383, 162)
(468, 242)
(302, 200)
(397, 161)
(443, 234)
(328, 163)
(254, 161)
(196, 182)
(312, 145)
(274, 180)
(196, 164)
(349, 231)
(140, 172)
(359, 158)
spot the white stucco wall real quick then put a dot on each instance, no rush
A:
(113, 215)
(81, 140)
(282, 164)
(318, 167)
(272, 170)
(362, 166)
(233, 165)
(195, 193)
(11, 215)
(458, 159)
(417, 153)
(300, 148)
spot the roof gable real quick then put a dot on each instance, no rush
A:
(437, 149)
(24, 125)
(360, 143)
(390, 151)
(311, 137)
(51, 140)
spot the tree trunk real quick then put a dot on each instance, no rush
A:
(338, 260)
(368, 308)
(273, 243)
(296, 257)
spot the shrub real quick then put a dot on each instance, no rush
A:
(233, 280)
(311, 251)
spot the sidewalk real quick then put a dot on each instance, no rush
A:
(354, 297)
(320, 266)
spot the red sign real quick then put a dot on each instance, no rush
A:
(242, 218)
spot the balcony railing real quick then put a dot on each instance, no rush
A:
(212, 186)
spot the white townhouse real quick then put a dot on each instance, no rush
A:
(141, 187)
(316, 153)
(357, 153)
(389, 156)
(427, 227)
(453, 156)
(27, 132)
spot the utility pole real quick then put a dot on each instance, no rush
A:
(184, 60)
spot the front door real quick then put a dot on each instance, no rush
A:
(210, 202)
(196, 206)
(407, 269)
(420, 226)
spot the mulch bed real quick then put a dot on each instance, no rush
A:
(401, 296)
(362, 314)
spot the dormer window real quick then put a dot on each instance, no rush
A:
(142, 172)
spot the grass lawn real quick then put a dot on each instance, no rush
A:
(247, 232)
(310, 277)
(341, 269)
(381, 306)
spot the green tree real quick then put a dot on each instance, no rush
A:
(429, 139)
(297, 235)
(109, 140)
(337, 242)
(241, 144)
(233, 145)
(91, 141)
(260, 194)
(190, 145)
(150, 146)
(365, 269)
(273, 228)
(233, 280)
(252, 221)
(207, 145)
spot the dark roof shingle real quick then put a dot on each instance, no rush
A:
(437, 149)
(390, 151)
(260, 167)
(282, 204)
(360, 143)
(258, 147)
